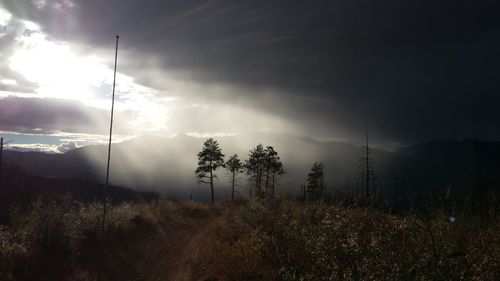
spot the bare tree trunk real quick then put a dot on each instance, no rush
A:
(321, 188)
(259, 181)
(212, 183)
(2, 144)
(232, 191)
(1, 159)
(267, 177)
(272, 187)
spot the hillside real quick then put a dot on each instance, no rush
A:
(166, 165)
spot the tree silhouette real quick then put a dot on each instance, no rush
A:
(273, 167)
(263, 165)
(254, 166)
(315, 181)
(234, 166)
(209, 159)
(368, 172)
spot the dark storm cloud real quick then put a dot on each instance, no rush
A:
(404, 70)
(21, 85)
(46, 116)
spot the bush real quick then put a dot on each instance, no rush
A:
(290, 241)
(46, 238)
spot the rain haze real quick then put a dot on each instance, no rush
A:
(249, 140)
(329, 70)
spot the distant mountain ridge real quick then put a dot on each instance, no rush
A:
(166, 165)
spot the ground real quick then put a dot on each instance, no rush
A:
(174, 254)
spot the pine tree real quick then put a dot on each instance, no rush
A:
(273, 168)
(263, 166)
(315, 181)
(234, 166)
(254, 166)
(209, 159)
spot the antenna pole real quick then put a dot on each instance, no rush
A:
(109, 144)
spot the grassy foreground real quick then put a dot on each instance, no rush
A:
(289, 240)
(59, 238)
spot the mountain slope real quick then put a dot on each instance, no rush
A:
(167, 164)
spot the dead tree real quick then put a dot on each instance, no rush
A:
(367, 179)
(2, 144)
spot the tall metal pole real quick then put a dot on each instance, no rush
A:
(109, 144)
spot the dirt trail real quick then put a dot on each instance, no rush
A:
(174, 253)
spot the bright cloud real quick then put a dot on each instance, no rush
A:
(59, 142)
(63, 73)
(58, 71)
(69, 86)
(10, 82)
(209, 135)
(5, 17)
(40, 147)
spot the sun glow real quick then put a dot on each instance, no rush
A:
(57, 70)
(60, 72)
(41, 66)
(5, 17)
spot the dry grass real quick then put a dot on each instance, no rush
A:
(59, 238)
(291, 241)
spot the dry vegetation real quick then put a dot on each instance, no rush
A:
(287, 240)
(59, 238)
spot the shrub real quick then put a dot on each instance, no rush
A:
(290, 241)
(46, 239)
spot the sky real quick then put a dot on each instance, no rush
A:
(403, 71)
